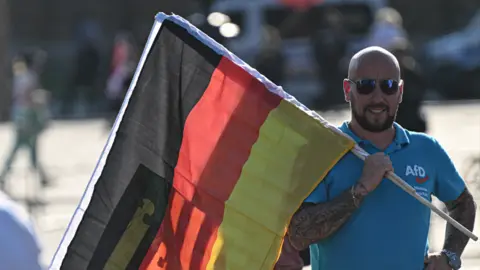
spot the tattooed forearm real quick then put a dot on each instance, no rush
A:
(462, 210)
(314, 222)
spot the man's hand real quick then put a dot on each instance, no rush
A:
(374, 170)
(437, 261)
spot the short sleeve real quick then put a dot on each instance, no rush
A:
(320, 193)
(448, 183)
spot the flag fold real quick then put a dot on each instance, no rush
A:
(205, 166)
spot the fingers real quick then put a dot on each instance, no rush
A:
(431, 265)
(389, 166)
(381, 161)
(387, 163)
(426, 260)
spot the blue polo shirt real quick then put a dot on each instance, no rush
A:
(390, 229)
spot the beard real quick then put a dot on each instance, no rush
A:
(373, 123)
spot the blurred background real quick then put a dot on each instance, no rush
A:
(66, 66)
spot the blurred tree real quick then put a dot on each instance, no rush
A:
(4, 89)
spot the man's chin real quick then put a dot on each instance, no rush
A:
(376, 126)
(376, 129)
(376, 123)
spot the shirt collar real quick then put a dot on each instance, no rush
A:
(401, 136)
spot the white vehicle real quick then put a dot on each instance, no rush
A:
(244, 21)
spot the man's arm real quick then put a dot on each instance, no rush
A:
(463, 210)
(314, 222)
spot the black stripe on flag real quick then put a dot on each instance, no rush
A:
(141, 162)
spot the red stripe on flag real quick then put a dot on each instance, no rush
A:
(218, 136)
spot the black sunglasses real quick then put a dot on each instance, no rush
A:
(367, 86)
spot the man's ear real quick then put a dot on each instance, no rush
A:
(400, 88)
(347, 87)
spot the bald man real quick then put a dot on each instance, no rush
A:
(355, 219)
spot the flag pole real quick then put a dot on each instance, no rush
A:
(362, 154)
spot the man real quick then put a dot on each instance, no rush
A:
(330, 46)
(29, 112)
(19, 247)
(355, 219)
(410, 115)
(270, 61)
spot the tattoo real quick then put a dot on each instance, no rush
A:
(290, 258)
(463, 210)
(314, 222)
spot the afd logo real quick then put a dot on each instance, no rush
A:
(417, 171)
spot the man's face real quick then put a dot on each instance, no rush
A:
(375, 111)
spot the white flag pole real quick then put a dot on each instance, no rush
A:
(362, 154)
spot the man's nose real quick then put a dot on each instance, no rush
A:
(377, 93)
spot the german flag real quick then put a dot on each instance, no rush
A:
(205, 166)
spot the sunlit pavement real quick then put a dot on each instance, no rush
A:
(70, 149)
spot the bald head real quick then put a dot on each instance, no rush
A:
(374, 61)
(374, 108)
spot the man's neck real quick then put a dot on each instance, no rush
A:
(381, 140)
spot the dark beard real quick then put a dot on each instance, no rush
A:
(363, 122)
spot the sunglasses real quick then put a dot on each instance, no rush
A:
(367, 86)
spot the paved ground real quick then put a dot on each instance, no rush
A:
(70, 150)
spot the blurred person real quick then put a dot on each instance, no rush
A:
(387, 28)
(354, 219)
(409, 114)
(30, 111)
(82, 97)
(19, 245)
(270, 60)
(330, 45)
(124, 62)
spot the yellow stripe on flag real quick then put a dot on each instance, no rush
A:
(291, 157)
